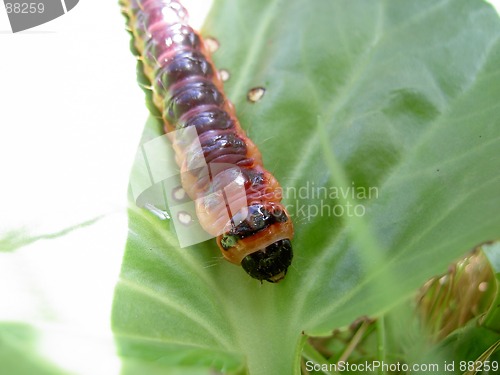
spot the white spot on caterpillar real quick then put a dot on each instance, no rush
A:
(179, 193)
(184, 218)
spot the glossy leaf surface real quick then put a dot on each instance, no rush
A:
(391, 108)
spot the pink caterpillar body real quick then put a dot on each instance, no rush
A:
(253, 230)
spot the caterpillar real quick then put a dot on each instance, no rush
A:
(254, 231)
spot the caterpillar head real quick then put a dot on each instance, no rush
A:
(259, 241)
(270, 263)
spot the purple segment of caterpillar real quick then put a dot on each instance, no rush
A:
(253, 230)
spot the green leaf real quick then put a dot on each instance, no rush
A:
(19, 237)
(463, 350)
(396, 99)
(20, 352)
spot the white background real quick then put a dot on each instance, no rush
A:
(71, 115)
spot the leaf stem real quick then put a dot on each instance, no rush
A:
(381, 342)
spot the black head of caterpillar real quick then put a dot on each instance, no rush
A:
(260, 241)
(270, 263)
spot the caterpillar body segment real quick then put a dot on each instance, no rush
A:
(237, 199)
